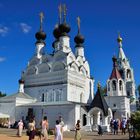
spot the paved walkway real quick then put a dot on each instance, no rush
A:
(10, 134)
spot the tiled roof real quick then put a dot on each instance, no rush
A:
(99, 101)
(115, 74)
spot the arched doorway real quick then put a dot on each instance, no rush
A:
(96, 117)
(84, 119)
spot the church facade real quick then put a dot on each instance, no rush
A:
(60, 81)
(59, 84)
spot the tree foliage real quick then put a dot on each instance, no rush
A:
(135, 120)
(2, 94)
(103, 90)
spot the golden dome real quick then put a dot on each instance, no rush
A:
(119, 39)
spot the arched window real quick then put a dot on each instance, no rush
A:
(128, 73)
(120, 86)
(128, 93)
(114, 85)
(42, 99)
(108, 86)
(58, 95)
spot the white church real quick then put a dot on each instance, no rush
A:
(60, 84)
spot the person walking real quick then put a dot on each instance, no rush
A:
(45, 126)
(31, 129)
(112, 126)
(100, 130)
(58, 131)
(115, 127)
(20, 128)
(61, 122)
(77, 131)
(123, 125)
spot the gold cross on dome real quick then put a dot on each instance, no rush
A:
(64, 11)
(60, 13)
(41, 19)
(78, 23)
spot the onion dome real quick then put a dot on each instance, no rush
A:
(21, 81)
(79, 39)
(40, 35)
(119, 39)
(56, 32)
(64, 29)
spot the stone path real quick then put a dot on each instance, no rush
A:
(10, 134)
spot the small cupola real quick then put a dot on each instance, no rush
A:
(41, 35)
(21, 85)
(64, 26)
(79, 38)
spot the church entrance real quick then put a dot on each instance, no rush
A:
(30, 113)
(84, 119)
(96, 117)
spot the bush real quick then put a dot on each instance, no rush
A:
(135, 120)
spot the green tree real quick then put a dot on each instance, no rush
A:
(2, 94)
(135, 120)
(103, 90)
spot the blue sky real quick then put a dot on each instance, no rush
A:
(100, 22)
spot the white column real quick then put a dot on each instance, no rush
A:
(79, 51)
(39, 49)
(88, 120)
(98, 118)
(65, 44)
(21, 87)
(105, 120)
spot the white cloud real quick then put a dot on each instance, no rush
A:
(3, 30)
(2, 59)
(25, 28)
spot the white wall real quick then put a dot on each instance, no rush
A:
(8, 108)
(52, 112)
(122, 105)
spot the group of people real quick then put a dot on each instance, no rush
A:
(31, 131)
(58, 131)
(116, 125)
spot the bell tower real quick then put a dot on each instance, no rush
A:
(126, 71)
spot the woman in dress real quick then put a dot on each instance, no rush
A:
(20, 128)
(45, 126)
(77, 131)
(31, 129)
(58, 131)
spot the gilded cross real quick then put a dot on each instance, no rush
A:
(64, 11)
(41, 19)
(60, 13)
(78, 23)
